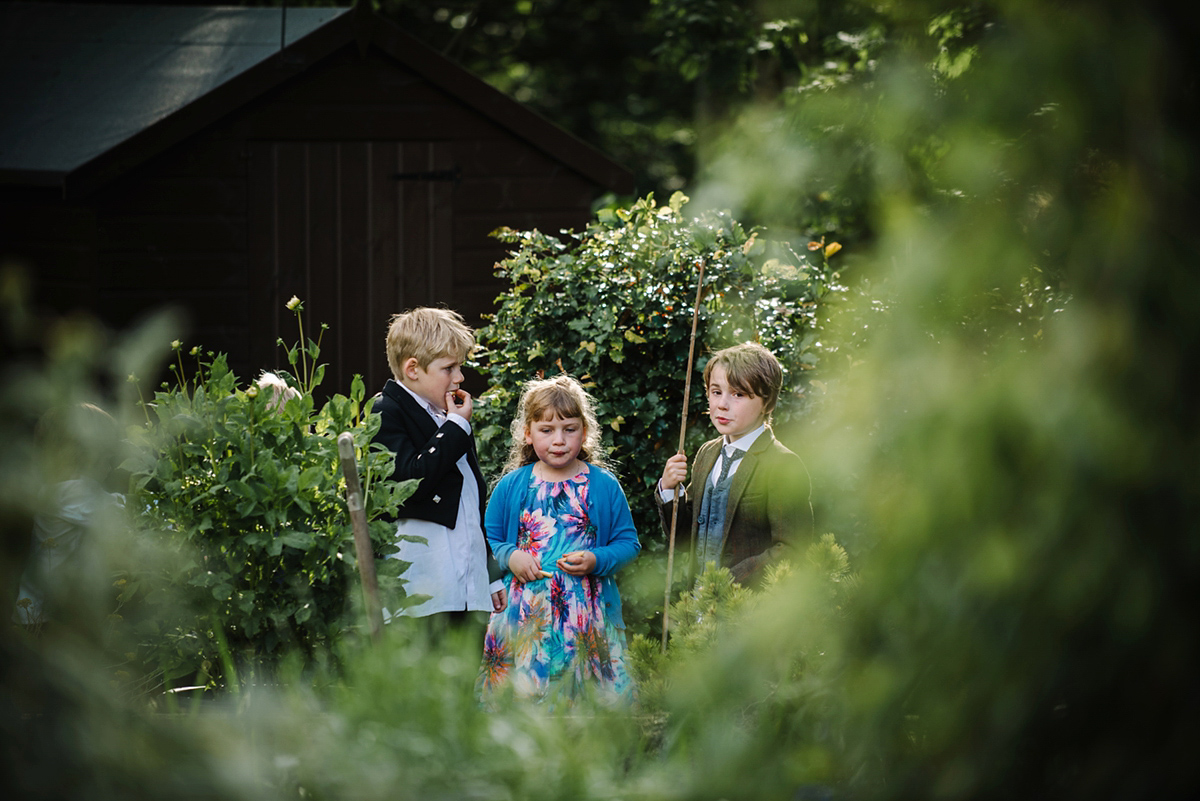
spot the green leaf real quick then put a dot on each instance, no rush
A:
(300, 540)
(310, 478)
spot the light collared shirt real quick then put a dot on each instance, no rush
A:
(450, 566)
(742, 443)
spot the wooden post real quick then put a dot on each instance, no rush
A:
(679, 493)
(362, 536)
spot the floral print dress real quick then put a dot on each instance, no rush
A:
(553, 641)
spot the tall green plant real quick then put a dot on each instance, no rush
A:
(247, 492)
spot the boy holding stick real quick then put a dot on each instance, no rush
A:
(748, 490)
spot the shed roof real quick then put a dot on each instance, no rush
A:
(88, 91)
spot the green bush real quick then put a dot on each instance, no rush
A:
(247, 495)
(708, 615)
(613, 306)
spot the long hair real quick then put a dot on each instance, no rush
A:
(547, 399)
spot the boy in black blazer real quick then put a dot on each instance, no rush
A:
(425, 421)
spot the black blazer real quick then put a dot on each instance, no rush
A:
(426, 452)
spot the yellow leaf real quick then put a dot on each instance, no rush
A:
(634, 338)
(831, 248)
(615, 425)
(749, 244)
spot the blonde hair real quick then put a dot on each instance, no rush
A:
(281, 393)
(549, 398)
(751, 368)
(426, 334)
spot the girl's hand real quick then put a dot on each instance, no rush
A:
(525, 566)
(577, 563)
(675, 472)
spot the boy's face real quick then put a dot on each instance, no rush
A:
(733, 412)
(443, 375)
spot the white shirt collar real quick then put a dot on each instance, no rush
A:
(437, 414)
(744, 442)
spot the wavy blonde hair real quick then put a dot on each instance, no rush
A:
(560, 397)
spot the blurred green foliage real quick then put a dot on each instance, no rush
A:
(1013, 439)
(711, 613)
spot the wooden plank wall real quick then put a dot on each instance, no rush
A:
(297, 194)
(332, 224)
(54, 245)
(173, 233)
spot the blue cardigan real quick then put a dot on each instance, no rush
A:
(608, 510)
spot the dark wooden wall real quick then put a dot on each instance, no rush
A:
(299, 194)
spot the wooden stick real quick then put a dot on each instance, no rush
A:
(679, 494)
(362, 536)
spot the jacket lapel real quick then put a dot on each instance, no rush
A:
(425, 427)
(706, 458)
(418, 418)
(745, 472)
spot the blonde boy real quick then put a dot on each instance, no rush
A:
(748, 494)
(425, 420)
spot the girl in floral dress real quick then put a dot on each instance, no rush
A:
(559, 521)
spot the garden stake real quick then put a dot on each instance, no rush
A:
(687, 391)
(362, 537)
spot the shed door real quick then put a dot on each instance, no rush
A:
(358, 231)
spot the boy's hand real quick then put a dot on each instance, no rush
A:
(675, 472)
(459, 402)
(499, 600)
(525, 566)
(577, 563)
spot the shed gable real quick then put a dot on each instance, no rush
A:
(355, 181)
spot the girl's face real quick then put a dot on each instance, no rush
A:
(556, 440)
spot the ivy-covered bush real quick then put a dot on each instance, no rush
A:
(244, 489)
(613, 306)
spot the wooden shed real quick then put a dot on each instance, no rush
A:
(222, 160)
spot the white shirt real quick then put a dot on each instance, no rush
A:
(742, 443)
(451, 565)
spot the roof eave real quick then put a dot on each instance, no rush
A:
(362, 27)
(35, 179)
